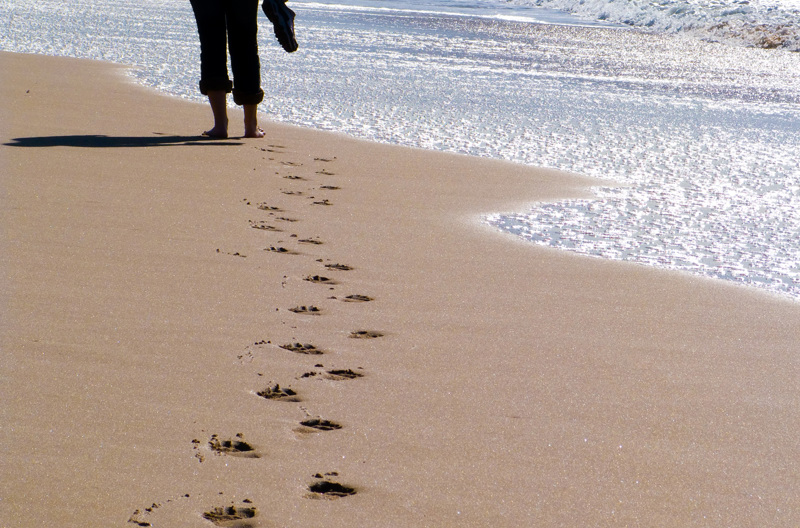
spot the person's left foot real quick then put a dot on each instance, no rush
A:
(257, 133)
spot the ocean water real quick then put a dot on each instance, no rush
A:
(692, 108)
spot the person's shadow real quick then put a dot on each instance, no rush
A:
(98, 141)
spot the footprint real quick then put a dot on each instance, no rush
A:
(262, 225)
(340, 267)
(279, 394)
(236, 447)
(297, 178)
(309, 310)
(264, 207)
(322, 202)
(342, 374)
(235, 254)
(334, 375)
(293, 193)
(325, 172)
(286, 219)
(320, 279)
(301, 348)
(230, 516)
(327, 489)
(272, 147)
(330, 187)
(314, 241)
(326, 160)
(320, 424)
(365, 334)
(280, 249)
(357, 298)
(140, 516)
(137, 520)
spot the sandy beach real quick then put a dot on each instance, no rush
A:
(308, 330)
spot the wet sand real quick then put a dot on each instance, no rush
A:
(309, 330)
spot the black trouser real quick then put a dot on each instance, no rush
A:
(233, 21)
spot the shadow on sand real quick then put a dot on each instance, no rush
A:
(98, 141)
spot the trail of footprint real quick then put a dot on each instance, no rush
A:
(324, 487)
(240, 515)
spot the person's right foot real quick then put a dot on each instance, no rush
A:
(282, 19)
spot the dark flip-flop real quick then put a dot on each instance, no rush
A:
(282, 19)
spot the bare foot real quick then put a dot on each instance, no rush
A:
(216, 133)
(256, 133)
(251, 128)
(217, 100)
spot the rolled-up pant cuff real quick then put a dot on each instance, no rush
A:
(220, 83)
(247, 98)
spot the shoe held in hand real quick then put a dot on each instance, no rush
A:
(282, 19)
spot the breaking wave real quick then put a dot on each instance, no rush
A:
(754, 23)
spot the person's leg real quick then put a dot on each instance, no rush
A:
(251, 128)
(245, 65)
(214, 80)
(218, 99)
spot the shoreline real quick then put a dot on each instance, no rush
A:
(511, 386)
(560, 132)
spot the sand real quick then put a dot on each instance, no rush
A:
(153, 283)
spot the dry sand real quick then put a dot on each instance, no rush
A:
(512, 386)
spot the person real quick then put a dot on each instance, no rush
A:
(229, 26)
